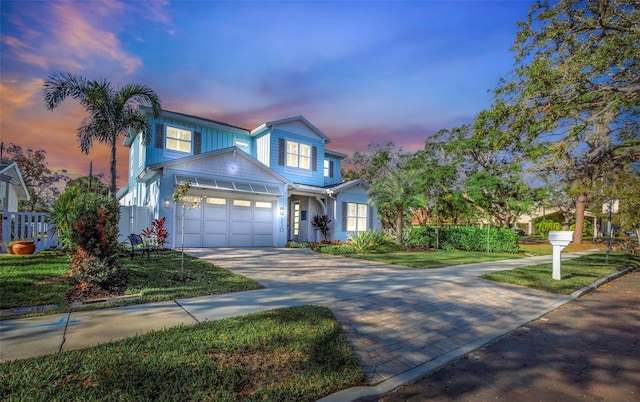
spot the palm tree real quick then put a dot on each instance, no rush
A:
(112, 113)
(397, 193)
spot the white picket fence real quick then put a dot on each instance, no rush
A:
(36, 226)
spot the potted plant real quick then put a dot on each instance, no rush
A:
(23, 246)
(9, 247)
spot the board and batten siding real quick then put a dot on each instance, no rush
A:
(263, 149)
(208, 139)
(309, 177)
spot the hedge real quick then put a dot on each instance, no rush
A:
(466, 238)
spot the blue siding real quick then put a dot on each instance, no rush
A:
(211, 140)
(301, 176)
(336, 179)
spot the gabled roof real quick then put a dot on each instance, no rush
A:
(153, 168)
(193, 117)
(272, 124)
(202, 121)
(10, 173)
(347, 185)
(335, 153)
(334, 189)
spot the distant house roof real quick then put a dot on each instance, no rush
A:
(10, 173)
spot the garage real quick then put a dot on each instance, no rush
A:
(227, 220)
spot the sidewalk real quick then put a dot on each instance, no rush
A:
(402, 323)
(587, 350)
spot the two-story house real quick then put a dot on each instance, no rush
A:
(257, 188)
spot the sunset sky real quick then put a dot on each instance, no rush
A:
(361, 71)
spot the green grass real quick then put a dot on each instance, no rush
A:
(33, 280)
(576, 274)
(42, 279)
(293, 354)
(434, 259)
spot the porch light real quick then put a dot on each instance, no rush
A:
(167, 203)
(281, 211)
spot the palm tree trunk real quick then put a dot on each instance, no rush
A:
(399, 216)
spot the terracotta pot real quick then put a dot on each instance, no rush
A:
(9, 249)
(23, 247)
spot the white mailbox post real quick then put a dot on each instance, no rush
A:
(559, 239)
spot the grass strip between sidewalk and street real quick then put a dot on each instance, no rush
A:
(297, 353)
(576, 273)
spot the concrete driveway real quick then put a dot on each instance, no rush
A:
(274, 267)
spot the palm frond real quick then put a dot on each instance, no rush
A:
(140, 95)
(60, 85)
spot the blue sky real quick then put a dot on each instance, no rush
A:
(361, 71)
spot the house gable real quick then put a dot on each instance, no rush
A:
(230, 163)
(12, 186)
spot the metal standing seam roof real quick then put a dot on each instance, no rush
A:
(228, 185)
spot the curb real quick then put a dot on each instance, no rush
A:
(371, 393)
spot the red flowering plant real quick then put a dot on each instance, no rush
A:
(157, 232)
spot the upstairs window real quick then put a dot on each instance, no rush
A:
(179, 139)
(298, 155)
(328, 168)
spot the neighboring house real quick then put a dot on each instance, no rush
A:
(12, 187)
(259, 187)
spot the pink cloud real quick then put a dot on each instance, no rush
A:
(85, 41)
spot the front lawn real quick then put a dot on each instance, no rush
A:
(292, 354)
(434, 259)
(576, 273)
(42, 279)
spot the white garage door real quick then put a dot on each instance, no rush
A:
(222, 221)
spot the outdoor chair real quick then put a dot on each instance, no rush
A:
(138, 244)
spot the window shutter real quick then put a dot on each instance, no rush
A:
(159, 136)
(197, 143)
(331, 169)
(314, 158)
(344, 216)
(370, 223)
(281, 151)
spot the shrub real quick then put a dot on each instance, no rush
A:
(95, 236)
(296, 244)
(321, 222)
(157, 231)
(63, 217)
(387, 247)
(466, 238)
(367, 240)
(343, 249)
(547, 225)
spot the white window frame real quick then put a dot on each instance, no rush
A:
(295, 221)
(357, 217)
(141, 151)
(326, 166)
(298, 155)
(175, 137)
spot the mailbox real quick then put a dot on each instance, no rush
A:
(559, 239)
